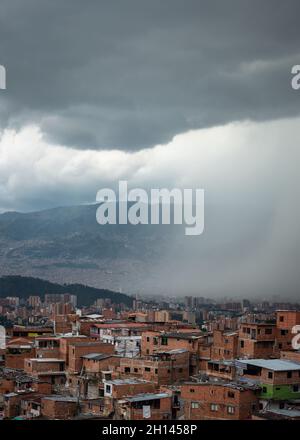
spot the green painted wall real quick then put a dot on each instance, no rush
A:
(279, 392)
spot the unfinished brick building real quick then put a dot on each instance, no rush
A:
(256, 340)
(165, 367)
(205, 401)
(149, 406)
(225, 345)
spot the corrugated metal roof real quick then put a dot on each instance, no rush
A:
(270, 364)
(146, 396)
(96, 356)
(131, 381)
(174, 351)
(286, 412)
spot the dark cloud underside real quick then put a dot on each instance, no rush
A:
(130, 74)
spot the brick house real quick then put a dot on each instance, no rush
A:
(153, 342)
(119, 388)
(149, 406)
(17, 350)
(285, 321)
(59, 407)
(79, 349)
(256, 340)
(225, 345)
(212, 400)
(95, 363)
(221, 369)
(279, 379)
(47, 346)
(164, 367)
(41, 365)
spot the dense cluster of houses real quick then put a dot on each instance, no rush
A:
(135, 367)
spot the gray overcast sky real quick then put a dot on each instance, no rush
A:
(131, 74)
(193, 93)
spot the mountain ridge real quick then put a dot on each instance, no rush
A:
(24, 287)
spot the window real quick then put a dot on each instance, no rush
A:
(148, 339)
(268, 331)
(289, 374)
(284, 332)
(295, 388)
(147, 369)
(127, 369)
(231, 394)
(156, 371)
(195, 405)
(192, 390)
(242, 344)
(270, 375)
(230, 409)
(214, 407)
(164, 340)
(135, 370)
(180, 370)
(108, 389)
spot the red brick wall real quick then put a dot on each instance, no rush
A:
(159, 371)
(224, 346)
(163, 413)
(32, 366)
(58, 409)
(75, 353)
(290, 318)
(119, 391)
(109, 364)
(149, 346)
(205, 395)
(17, 360)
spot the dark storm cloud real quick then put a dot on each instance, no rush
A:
(130, 74)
